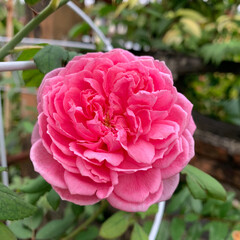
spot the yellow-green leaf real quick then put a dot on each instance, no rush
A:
(202, 185)
(138, 233)
(115, 226)
(5, 233)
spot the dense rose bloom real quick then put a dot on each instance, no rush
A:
(112, 126)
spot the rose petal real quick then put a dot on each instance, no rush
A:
(178, 115)
(48, 81)
(169, 186)
(182, 159)
(160, 131)
(113, 158)
(46, 140)
(169, 157)
(77, 199)
(191, 126)
(35, 134)
(48, 167)
(129, 166)
(76, 184)
(137, 187)
(141, 151)
(136, 192)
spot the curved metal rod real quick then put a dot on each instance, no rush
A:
(2, 146)
(89, 21)
(15, 66)
(62, 43)
(157, 221)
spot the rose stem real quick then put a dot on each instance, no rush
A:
(53, 5)
(83, 226)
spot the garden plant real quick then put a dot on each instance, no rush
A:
(112, 139)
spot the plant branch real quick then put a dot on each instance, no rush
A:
(87, 222)
(53, 6)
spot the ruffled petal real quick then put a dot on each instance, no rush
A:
(141, 151)
(48, 167)
(138, 186)
(138, 191)
(35, 134)
(75, 198)
(169, 186)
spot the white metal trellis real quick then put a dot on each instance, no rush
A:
(62, 43)
(3, 150)
(23, 65)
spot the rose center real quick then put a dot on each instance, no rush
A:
(107, 121)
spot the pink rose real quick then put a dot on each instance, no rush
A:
(112, 126)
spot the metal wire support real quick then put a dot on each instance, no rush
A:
(89, 21)
(15, 66)
(2, 147)
(157, 221)
(62, 43)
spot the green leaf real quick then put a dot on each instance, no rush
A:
(28, 54)
(72, 54)
(32, 77)
(50, 57)
(34, 197)
(202, 185)
(55, 228)
(36, 185)
(219, 51)
(152, 210)
(34, 221)
(106, 9)
(53, 199)
(6, 233)
(196, 205)
(209, 207)
(191, 217)
(147, 226)
(195, 188)
(27, 126)
(177, 200)
(138, 233)
(163, 233)
(77, 209)
(217, 230)
(20, 230)
(91, 233)
(79, 29)
(12, 207)
(224, 209)
(115, 226)
(31, 2)
(177, 228)
(194, 232)
(3, 169)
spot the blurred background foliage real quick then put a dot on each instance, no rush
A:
(17, 24)
(207, 29)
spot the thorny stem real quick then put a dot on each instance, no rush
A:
(52, 7)
(83, 226)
